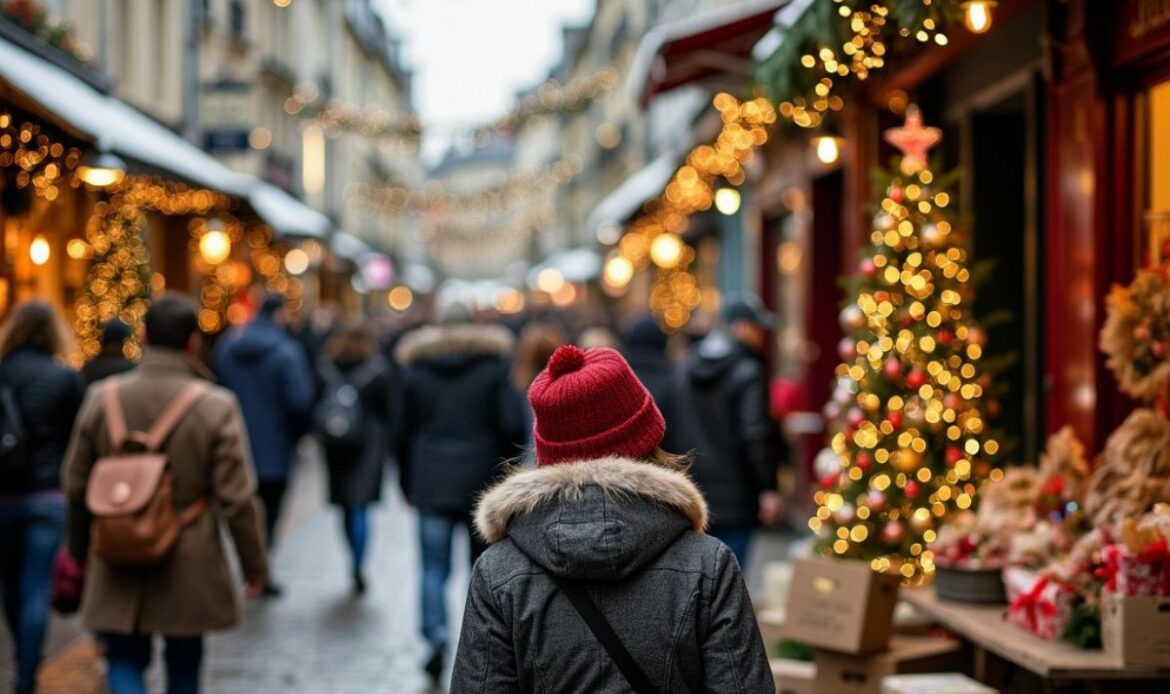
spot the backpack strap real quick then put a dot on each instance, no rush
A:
(173, 414)
(605, 634)
(115, 417)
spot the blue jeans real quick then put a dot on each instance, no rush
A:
(435, 529)
(737, 540)
(128, 656)
(357, 533)
(31, 530)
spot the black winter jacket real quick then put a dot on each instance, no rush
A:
(458, 416)
(631, 533)
(724, 405)
(49, 396)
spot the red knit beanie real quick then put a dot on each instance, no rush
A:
(591, 405)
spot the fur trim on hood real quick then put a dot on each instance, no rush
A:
(465, 339)
(526, 489)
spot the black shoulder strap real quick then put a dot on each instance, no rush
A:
(601, 629)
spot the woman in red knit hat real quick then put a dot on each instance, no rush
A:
(599, 577)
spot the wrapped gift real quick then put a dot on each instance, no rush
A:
(1037, 603)
(1132, 574)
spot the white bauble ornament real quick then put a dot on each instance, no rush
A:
(852, 318)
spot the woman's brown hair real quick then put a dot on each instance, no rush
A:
(353, 340)
(671, 461)
(34, 323)
(537, 343)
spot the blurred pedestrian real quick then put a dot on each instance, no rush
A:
(189, 592)
(353, 422)
(269, 374)
(645, 351)
(39, 398)
(607, 533)
(723, 406)
(112, 359)
(598, 336)
(459, 418)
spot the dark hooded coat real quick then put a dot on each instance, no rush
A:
(268, 372)
(631, 533)
(724, 422)
(458, 418)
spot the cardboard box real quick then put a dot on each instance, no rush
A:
(794, 676)
(1135, 630)
(839, 673)
(944, 683)
(841, 605)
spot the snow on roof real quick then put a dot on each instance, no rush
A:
(285, 214)
(628, 197)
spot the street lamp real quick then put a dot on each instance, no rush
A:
(101, 169)
(727, 200)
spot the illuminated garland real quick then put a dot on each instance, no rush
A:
(335, 116)
(118, 282)
(656, 236)
(848, 39)
(41, 161)
(435, 196)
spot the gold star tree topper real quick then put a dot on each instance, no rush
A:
(914, 141)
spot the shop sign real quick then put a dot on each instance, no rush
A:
(226, 116)
(1141, 27)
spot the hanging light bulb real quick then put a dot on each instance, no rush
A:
(828, 148)
(618, 271)
(727, 200)
(666, 250)
(215, 245)
(38, 250)
(977, 15)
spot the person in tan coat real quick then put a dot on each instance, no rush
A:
(191, 591)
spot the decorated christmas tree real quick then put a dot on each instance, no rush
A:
(909, 442)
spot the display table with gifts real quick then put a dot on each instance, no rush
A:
(984, 627)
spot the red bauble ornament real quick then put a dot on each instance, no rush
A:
(1160, 349)
(893, 368)
(954, 455)
(912, 489)
(945, 337)
(828, 481)
(897, 194)
(867, 267)
(875, 501)
(895, 419)
(863, 461)
(916, 379)
(1141, 332)
(893, 532)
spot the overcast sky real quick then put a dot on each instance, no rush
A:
(471, 56)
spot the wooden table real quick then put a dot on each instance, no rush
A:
(1054, 661)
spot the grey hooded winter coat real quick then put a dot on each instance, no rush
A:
(631, 533)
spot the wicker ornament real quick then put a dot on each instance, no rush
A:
(1134, 472)
(1136, 335)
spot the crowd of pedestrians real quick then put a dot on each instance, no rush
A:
(614, 480)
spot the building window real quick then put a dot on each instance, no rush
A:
(236, 20)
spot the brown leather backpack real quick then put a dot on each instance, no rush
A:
(131, 492)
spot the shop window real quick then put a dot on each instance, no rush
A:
(1155, 208)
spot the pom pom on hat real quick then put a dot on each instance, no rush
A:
(588, 405)
(565, 360)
